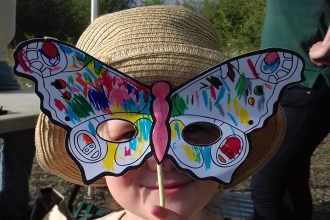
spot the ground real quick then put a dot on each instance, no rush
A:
(319, 182)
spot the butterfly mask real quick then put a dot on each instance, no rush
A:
(227, 101)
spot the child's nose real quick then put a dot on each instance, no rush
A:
(166, 165)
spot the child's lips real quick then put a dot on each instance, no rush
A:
(171, 188)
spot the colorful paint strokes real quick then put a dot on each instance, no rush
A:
(79, 93)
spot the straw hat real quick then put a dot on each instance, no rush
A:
(149, 44)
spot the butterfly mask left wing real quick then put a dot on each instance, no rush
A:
(78, 93)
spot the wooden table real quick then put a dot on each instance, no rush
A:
(23, 108)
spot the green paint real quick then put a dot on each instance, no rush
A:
(87, 60)
(240, 86)
(70, 80)
(178, 105)
(80, 106)
(259, 90)
(228, 99)
(87, 77)
(197, 154)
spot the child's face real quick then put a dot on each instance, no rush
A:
(137, 191)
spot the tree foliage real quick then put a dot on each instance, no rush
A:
(152, 2)
(238, 22)
(62, 19)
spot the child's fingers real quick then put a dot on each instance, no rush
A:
(162, 213)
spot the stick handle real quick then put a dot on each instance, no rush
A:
(160, 185)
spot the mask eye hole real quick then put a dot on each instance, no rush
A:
(116, 130)
(201, 133)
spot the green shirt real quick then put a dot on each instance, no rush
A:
(297, 25)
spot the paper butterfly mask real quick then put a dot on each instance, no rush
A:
(79, 92)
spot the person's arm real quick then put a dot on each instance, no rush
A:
(319, 53)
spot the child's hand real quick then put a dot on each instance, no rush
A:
(162, 213)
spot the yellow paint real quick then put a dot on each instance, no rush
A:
(138, 152)
(244, 116)
(228, 107)
(173, 131)
(90, 67)
(189, 152)
(109, 160)
(241, 113)
(236, 106)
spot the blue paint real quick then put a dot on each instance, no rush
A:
(177, 130)
(80, 56)
(79, 88)
(232, 118)
(98, 99)
(233, 130)
(174, 146)
(271, 68)
(137, 95)
(129, 88)
(97, 67)
(132, 144)
(130, 105)
(204, 94)
(221, 94)
(145, 103)
(224, 82)
(206, 152)
(66, 49)
(70, 113)
(144, 127)
(91, 128)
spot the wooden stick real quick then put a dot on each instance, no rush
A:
(160, 185)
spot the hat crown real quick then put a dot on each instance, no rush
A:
(154, 43)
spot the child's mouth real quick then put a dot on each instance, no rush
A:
(170, 189)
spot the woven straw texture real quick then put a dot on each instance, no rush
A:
(150, 44)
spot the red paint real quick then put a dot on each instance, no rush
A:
(271, 58)
(197, 98)
(49, 50)
(268, 86)
(127, 152)
(87, 139)
(232, 147)
(252, 68)
(55, 68)
(74, 89)
(160, 108)
(212, 92)
(59, 105)
(221, 159)
(21, 56)
(118, 95)
(82, 82)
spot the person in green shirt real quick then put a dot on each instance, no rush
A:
(302, 26)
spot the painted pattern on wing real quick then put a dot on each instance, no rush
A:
(79, 92)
